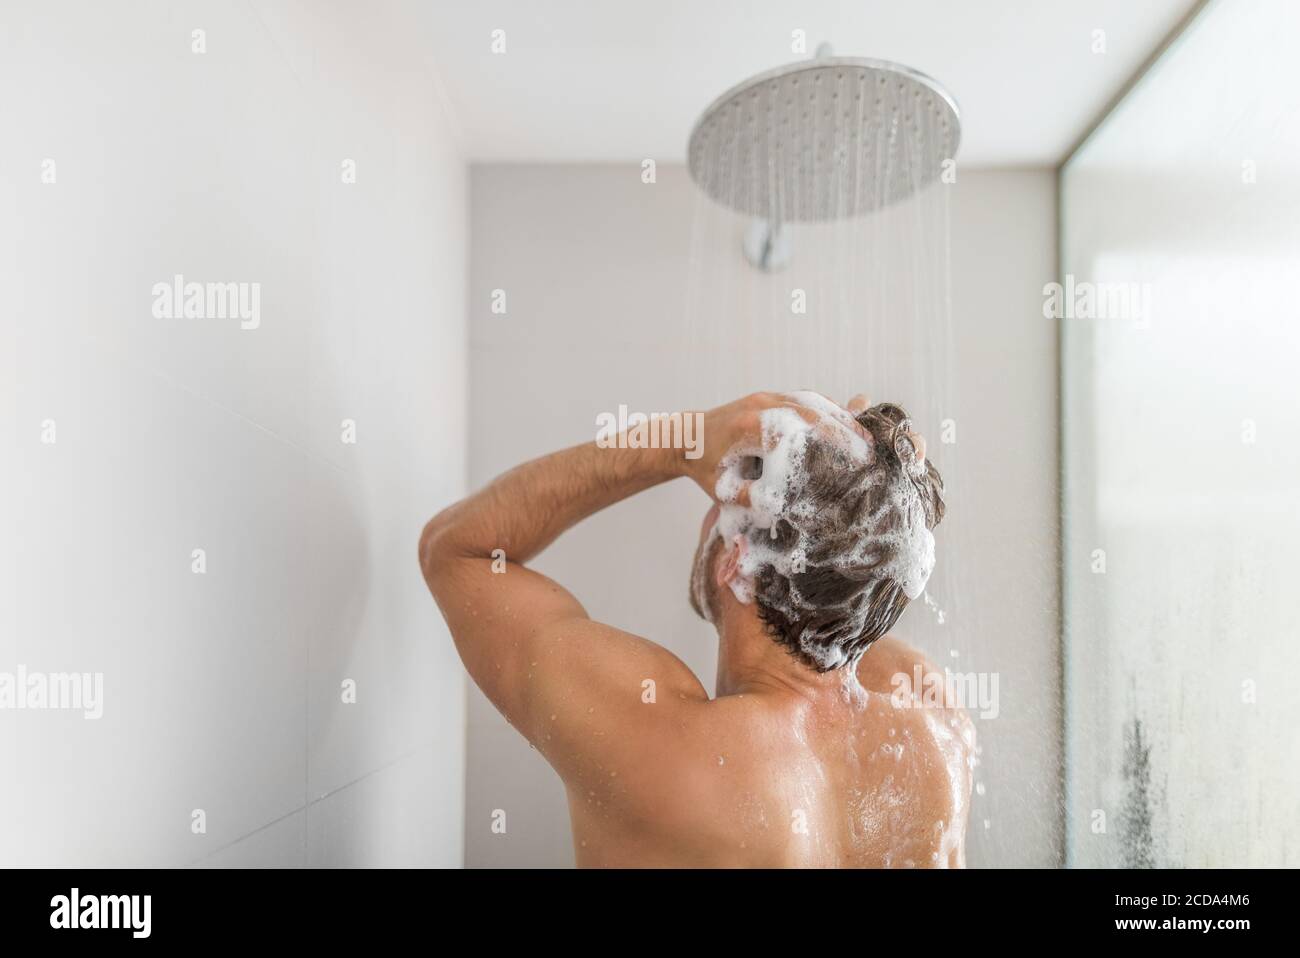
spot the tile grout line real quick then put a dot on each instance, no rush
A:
(305, 451)
(319, 798)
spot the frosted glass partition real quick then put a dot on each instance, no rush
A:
(1180, 253)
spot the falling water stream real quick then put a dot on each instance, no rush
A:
(857, 180)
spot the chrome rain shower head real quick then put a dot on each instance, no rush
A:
(810, 141)
(821, 140)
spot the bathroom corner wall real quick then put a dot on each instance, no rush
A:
(223, 520)
(594, 264)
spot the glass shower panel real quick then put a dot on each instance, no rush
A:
(1180, 333)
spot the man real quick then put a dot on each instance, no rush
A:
(813, 751)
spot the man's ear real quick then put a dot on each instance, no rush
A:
(729, 567)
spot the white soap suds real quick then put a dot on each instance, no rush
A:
(853, 691)
(779, 500)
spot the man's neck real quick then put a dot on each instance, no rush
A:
(750, 660)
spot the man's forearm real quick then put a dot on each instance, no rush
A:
(524, 510)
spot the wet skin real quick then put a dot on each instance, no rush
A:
(780, 767)
(772, 777)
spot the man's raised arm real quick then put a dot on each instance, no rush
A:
(525, 640)
(572, 686)
(525, 509)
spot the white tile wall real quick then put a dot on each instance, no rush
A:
(222, 690)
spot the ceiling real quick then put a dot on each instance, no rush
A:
(618, 80)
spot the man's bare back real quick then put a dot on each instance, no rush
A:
(789, 763)
(770, 778)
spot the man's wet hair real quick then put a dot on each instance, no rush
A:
(842, 598)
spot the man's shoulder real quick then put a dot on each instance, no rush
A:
(917, 688)
(888, 659)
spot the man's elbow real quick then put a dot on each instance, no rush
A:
(433, 549)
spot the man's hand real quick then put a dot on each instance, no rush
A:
(737, 429)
